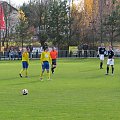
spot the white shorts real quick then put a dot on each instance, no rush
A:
(110, 62)
(101, 57)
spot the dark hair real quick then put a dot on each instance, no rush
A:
(45, 48)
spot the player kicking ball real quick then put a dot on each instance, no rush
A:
(110, 61)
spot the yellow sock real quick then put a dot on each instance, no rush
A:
(48, 75)
(26, 73)
(21, 71)
(41, 75)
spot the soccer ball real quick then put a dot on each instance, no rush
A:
(24, 91)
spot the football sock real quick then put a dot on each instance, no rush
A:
(107, 69)
(26, 72)
(48, 75)
(101, 64)
(112, 69)
(52, 69)
(41, 75)
(21, 71)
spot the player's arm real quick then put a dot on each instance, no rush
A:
(56, 53)
(23, 57)
(41, 58)
(50, 53)
(113, 55)
(105, 52)
(98, 52)
(28, 58)
(50, 59)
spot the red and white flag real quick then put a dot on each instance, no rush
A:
(2, 20)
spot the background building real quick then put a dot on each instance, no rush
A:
(11, 20)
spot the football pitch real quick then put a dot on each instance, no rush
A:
(79, 90)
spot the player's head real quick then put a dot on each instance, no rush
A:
(53, 48)
(102, 44)
(110, 47)
(24, 49)
(46, 49)
(45, 44)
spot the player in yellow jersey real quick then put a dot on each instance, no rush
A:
(25, 63)
(45, 61)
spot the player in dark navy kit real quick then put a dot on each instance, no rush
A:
(110, 61)
(101, 53)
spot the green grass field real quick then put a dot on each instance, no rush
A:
(79, 90)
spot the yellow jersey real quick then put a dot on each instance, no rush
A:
(25, 57)
(45, 56)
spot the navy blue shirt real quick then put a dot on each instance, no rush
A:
(110, 54)
(102, 50)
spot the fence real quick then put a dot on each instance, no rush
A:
(80, 53)
(61, 54)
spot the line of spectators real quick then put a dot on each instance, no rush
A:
(13, 54)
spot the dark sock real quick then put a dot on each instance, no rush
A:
(101, 64)
(107, 69)
(112, 69)
(52, 69)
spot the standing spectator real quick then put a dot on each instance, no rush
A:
(30, 49)
(85, 48)
(36, 53)
(19, 54)
(12, 54)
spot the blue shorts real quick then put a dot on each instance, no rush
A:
(25, 64)
(45, 65)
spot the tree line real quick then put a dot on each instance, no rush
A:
(63, 24)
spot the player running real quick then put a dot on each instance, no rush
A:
(101, 53)
(25, 63)
(45, 61)
(53, 55)
(110, 61)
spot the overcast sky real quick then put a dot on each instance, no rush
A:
(16, 2)
(20, 2)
